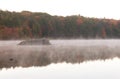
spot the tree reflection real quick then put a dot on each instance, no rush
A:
(26, 56)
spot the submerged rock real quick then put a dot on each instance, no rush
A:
(42, 41)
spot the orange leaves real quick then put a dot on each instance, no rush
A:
(79, 21)
(7, 33)
(113, 22)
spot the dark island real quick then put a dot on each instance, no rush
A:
(42, 41)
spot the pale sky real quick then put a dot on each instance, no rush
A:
(88, 8)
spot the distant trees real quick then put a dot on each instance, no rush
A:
(25, 24)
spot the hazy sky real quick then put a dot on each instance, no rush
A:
(89, 8)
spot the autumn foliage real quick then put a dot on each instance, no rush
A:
(20, 25)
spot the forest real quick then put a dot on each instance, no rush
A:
(26, 24)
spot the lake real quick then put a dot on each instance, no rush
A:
(63, 59)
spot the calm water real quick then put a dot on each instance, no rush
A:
(64, 59)
(109, 69)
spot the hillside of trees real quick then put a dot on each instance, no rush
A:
(25, 24)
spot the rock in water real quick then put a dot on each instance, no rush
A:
(42, 41)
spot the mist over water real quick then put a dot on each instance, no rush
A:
(69, 51)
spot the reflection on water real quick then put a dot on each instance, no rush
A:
(73, 59)
(99, 69)
(27, 56)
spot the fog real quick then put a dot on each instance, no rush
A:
(69, 51)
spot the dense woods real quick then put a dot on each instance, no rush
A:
(25, 24)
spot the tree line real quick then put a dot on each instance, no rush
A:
(25, 24)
